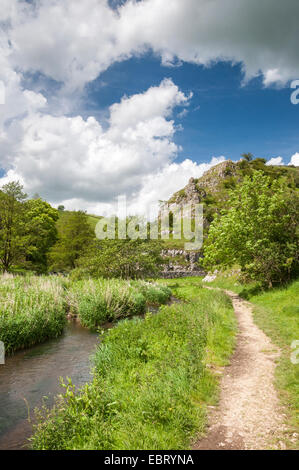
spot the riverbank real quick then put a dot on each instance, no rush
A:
(154, 379)
(34, 309)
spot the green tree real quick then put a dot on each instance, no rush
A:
(259, 231)
(74, 238)
(125, 259)
(41, 232)
(247, 156)
(12, 224)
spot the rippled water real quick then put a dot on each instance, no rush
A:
(30, 375)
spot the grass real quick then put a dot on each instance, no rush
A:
(101, 300)
(93, 220)
(152, 379)
(276, 312)
(32, 310)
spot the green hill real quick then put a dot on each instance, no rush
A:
(212, 189)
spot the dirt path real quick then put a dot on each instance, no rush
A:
(249, 415)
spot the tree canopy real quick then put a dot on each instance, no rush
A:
(74, 238)
(259, 231)
(122, 258)
(12, 224)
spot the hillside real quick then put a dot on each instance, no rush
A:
(212, 189)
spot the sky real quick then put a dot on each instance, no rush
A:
(106, 98)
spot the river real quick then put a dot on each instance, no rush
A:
(34, 373)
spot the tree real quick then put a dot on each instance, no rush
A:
(61, 208)
(247, 156)
(41, 232)
(12, 209)
(122, 258)
(74, 238)
(259, 231)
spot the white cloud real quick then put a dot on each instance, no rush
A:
(275, 161)
(156, 186)
(171, 178)
(76, 160)
(295, 159)
(73, 42)
(63, 158)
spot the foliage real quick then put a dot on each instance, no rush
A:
(121, 259)
(259, 231)
(12, 240)
(247, 156)
(41, 232)
(74, 238)
(32, 310)
(151, 383)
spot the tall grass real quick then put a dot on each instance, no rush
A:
(32, 309)
(101, 300)
(151, 383)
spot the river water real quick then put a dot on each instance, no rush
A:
(34, 373)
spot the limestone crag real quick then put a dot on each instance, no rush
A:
(181, 263)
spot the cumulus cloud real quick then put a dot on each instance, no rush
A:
(73, 42)
(79, 161)
(171, 178)
(63, 158)
(275, 161)
(156, 186)
(295, 159)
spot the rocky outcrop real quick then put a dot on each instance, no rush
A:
(197, 189)
(178, 274)
(211, 178)
(181, 263)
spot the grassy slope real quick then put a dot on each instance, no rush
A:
(93, 220)
(276, 312)
(152, 379)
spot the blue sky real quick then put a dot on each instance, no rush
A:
(225, 116)
(108, 98)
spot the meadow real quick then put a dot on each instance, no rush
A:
(153, 379)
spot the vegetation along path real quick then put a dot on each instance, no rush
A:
(249, 415)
